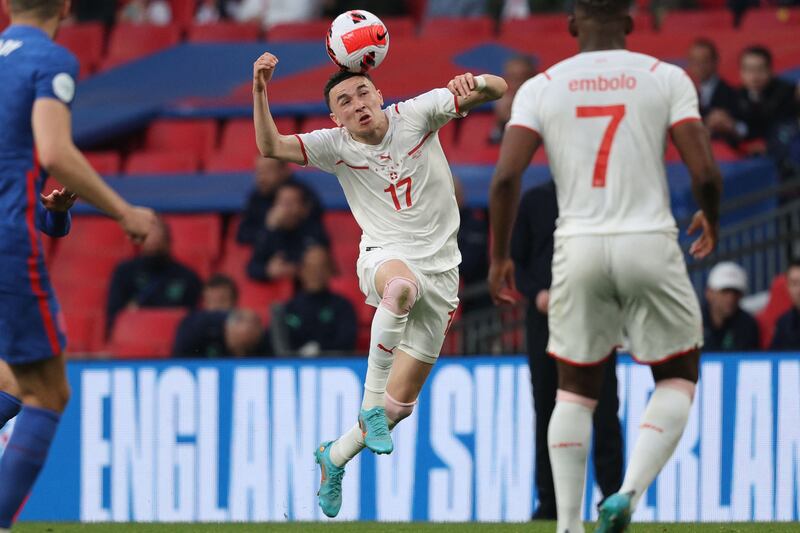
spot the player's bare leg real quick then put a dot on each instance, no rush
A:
(44, 392)
(660, 431)
(9, 395)
(569, 436)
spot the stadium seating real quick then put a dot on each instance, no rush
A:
(224, 161)
(196, 240)
(183, 11)
(299, 31)
(106, 163)
(196, 136)
(223, 32)
(444, 28)
(129, 42)
(523, 28)
(771, 19)
(85, 330)
(694, 21)
(127, 338)
(158, 162)
(86, 42)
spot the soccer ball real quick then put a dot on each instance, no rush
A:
(357, 41)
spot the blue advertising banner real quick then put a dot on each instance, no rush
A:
(233, 441)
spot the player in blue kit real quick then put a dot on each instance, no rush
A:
(37, 86)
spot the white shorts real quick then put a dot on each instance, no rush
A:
(432, 314)
(607, 285)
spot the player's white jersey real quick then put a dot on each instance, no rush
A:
(401, 190)
(604, 117)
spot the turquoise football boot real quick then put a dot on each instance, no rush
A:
(375, 429)
(330, 487)
(615, 514)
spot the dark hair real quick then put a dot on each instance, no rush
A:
(793, 263)
(337, 78)
(41, 9)
(709, 45)
(760, 51)
(604, 9)
(223, 281)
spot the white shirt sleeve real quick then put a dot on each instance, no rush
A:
(432, 110)
(320, 149)
(683, 101)
(525, 108)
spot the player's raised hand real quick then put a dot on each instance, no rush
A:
(502, 284)
(263, 69)
(137, 223)
(707, 241)
(59, 200)
(462, 85)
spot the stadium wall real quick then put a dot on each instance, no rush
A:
(233, 440)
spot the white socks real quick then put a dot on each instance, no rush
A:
(347, 446)
(386, 334)
(662, 425)
(568, 437)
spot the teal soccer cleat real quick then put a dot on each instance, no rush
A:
(375, 429)
(330, 487)
(615, 514)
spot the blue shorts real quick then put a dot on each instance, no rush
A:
(31, 328)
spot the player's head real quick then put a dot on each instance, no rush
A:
(702, 60)
(41, 10)
(755, 68)
(793, 281)
(592, 18)
(220, 293)
(355, 102)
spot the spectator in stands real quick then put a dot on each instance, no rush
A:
(717, 98)
(787, 329)
(317, 320)
(268, 13)
(473, 241)
(270, 174)
(456, 8)
(208, 12)
(220, 293)
(727, 327)
(381, 8)
(767, 107)
(516, 71)
(235, 333)
(156, 12)
(152, 279)
(96, 10)
(288, 233)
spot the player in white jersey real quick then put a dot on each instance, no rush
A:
(399, 187)
(603, 116)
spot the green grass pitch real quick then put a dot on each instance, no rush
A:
(375, 527)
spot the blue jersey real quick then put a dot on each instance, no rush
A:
(32, 66)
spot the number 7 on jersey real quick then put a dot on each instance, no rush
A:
(617, 113)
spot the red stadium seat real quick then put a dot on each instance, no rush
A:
(342, 227)
(96, 235)
(252, 294)
(221, 32)
(400, 27)
(223, 161)
(534, 27)
(300, 31)
(82, 269)
(701, 21)
(196, 136)
(238, 135)
(473, 142)
(86, 42)
(478, 28)
(106, 163)
(145, 333)
(316, 123)
(771, 19)
(129, 42)
(85, 330)
(779, 302)
(3, 19)
(162, 163)
(183, 11)
(196, 240)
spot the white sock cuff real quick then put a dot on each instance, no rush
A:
(679, 384)
(571, 397)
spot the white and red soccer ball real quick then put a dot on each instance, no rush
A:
(357, 41)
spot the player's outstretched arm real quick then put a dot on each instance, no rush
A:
(519, 145)
(52, 133)
(692, 141)
(473, 91)
(270, 142)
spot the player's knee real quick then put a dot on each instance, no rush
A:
(399, 295)
(397, 411)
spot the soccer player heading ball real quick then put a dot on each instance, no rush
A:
(603, 116)
(398, 185)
